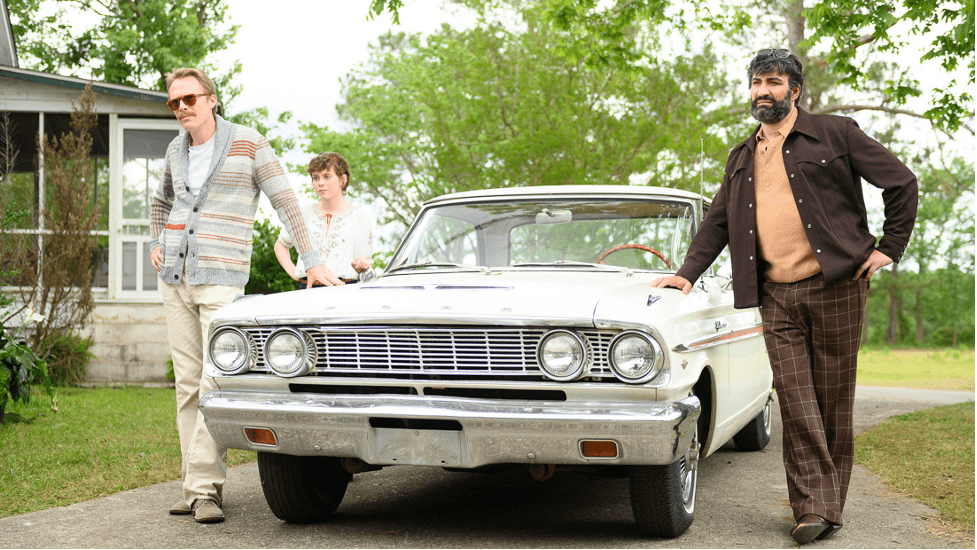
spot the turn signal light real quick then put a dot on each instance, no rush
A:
(598, 449)
(261, 436)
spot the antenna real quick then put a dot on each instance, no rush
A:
(702, 176)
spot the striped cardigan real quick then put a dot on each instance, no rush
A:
(213, 232)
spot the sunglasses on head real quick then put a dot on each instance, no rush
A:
(779, 53)
(189, 100)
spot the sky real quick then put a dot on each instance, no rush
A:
(294, 56)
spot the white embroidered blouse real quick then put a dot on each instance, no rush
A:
(339, 238)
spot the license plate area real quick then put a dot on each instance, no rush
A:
(418, 447)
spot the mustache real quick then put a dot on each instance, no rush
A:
(760, 98)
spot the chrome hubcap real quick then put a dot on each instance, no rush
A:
(766, 418)
(688, 469)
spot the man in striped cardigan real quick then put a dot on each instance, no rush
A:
(202, 220)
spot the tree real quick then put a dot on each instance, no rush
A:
(131, 42)
(499, 105)
(948, 27)
(846, 27)
(944, 225)
(61, 289)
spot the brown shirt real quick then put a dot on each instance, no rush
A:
(825, 158)
(781, 239)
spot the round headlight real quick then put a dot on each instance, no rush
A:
(562, 355)
(230, 351)
(636, 357)
(287, 353)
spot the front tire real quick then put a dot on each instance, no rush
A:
(663, 497)
(756, 435)
(302, 489)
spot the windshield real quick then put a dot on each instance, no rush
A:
(648, 235)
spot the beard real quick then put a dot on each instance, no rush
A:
(774, 113)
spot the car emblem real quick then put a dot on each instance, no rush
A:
(652, 299)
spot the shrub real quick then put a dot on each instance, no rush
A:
(19, 368)
(68, 358)
(267, 275)
(170, 373)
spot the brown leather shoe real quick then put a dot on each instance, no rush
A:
(809, 527)
(831, 530)
(207, 511)
(180, 509)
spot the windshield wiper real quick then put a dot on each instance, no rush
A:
(571, 263)
(421, 265)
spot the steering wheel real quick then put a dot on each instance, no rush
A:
(639, 247)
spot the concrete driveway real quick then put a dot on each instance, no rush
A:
(742, 503)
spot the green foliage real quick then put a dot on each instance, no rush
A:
(829, 36)
(267, 275)
(947, 300)
(947, 25)
(934, 304)
(134, 42)
(258, 119)
(393, 6)
(68, 357)
(19, 369)
(499, 105)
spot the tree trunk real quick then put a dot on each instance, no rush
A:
(920, 330)
(794, 17)
(892, 334)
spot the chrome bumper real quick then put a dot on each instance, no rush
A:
(451, 432)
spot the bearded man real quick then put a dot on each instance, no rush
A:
(791, 209)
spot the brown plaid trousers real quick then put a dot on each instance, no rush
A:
(812, 333)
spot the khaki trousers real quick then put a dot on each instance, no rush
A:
(812, 333)
(189, 309)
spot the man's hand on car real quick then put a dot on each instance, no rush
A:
(673, 281)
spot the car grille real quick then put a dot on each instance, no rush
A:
(433, 352)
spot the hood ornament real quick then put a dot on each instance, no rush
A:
(652, 298)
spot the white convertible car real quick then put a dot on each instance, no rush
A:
(512, 327)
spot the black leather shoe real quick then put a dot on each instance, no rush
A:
(831, 530)
(809, 528)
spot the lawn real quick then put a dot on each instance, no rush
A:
(933, 369)
(929, 455)
(101, 441)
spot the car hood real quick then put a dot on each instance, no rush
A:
(565, 296)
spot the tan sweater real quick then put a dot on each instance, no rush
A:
(782, 242)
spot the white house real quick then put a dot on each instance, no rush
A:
(134, 128)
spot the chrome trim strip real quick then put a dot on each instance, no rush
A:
(726, 338)
(431, 351)
(492, 432)
(410, 319)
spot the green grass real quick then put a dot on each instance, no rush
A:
(928, 455)
(934, 369)
(101, 441)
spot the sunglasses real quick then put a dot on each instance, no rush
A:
(189, 100)
(778, 53)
